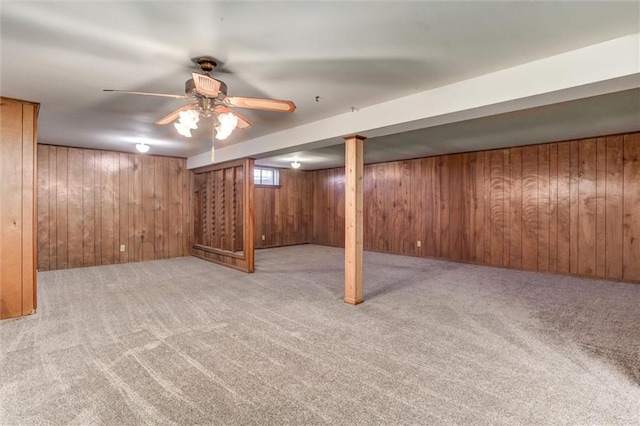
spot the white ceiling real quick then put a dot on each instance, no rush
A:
(351, 54)
(608, 114)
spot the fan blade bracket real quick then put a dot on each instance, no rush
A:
(243, 123)
(174, 115)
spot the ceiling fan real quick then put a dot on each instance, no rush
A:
(208, 98)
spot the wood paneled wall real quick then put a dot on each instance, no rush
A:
(18, 126)
(90, 202)
(327, 208)
(283, 214)
(568, 207)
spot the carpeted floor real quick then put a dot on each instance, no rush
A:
(184, 341)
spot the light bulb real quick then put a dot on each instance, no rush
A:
(295, 165)
(228, 123)
(189, 118)
(141, 147)
(183, 130)
(222, 133)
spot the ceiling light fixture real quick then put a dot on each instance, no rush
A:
(141, 147)
(295, 165)
(188, 121)
(228, 123)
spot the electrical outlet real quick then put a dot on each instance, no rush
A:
(122, 248)
(263, 238)
(419, 243)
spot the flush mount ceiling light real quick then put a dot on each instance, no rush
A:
(141, 147)
(295, 165)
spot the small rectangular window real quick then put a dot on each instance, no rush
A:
(266, 176)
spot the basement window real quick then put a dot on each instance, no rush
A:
(265, 176)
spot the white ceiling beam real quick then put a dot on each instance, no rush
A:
(594, 70)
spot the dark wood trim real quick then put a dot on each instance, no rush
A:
(218, 251)
(267, 186)
(240, 268)
(134, 151)
(219, 166)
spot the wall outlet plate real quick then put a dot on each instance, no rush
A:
(419, 243)
(122, 247)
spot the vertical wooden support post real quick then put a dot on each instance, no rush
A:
(353, 245)
(248, 229)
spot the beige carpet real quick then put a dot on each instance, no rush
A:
(184, 341)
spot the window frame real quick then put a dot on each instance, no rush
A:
(275, 177)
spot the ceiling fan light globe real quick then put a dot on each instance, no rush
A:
(222, 133)
(189, 119)
(295, 164)
(228, 123)
(183, 130)
(228, 120)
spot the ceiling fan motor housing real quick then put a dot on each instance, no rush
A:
(190, 89)
(206, 63)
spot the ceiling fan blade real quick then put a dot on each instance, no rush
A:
(206, 85)
(264, 104)
(172, 116)
(243, 123)
(162, 95)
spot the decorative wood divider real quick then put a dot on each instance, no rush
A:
(223, 206)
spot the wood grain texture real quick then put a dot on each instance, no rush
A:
(29, 221)
(431, 201)
(553, 207)
(567, 207)
(601, 197)
(43, 207)
(574, 188)
(631, 206)
(11, 210)
(282, 214)
(62, 198)
(75, 214)
(544, 211)
(217, 193)
(587, 218)
(100, 200)
(479, 208)
(614, 207)
(530, 207)
(456, 203)
(18, 166)
(353, 257)
(497, 223)
(444, 210)
(515, 208)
